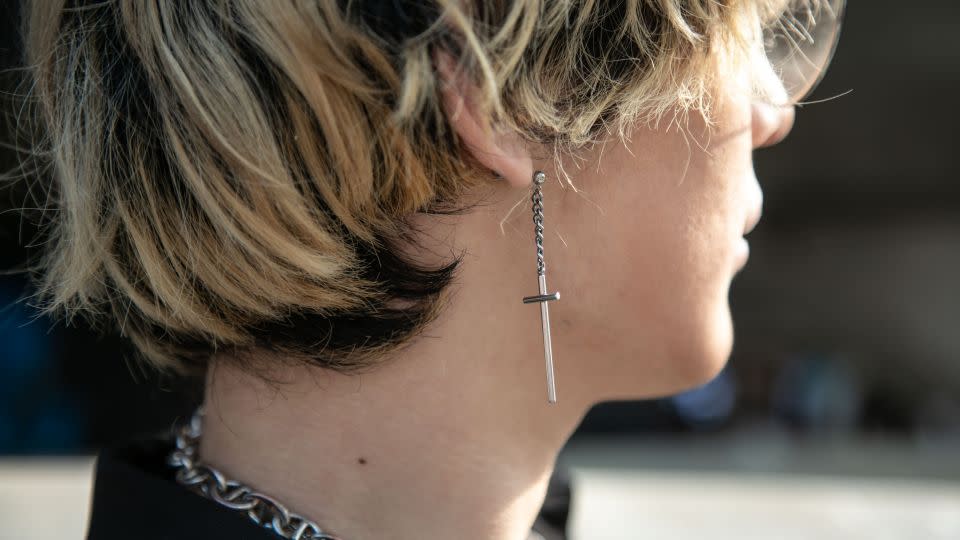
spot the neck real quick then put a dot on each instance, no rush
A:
(451, 438)
(382, 457)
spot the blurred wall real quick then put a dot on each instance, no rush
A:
(857, 258)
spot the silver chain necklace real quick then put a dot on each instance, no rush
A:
(212, 484)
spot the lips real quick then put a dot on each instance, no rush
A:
(752, 219)
(742, 251)
(741, 254)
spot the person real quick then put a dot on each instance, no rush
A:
(344, 216)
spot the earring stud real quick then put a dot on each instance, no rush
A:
(543, 297)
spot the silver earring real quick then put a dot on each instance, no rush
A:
(543, 297)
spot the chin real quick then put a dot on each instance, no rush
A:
(687, 364)
(697, 361)
(683, 357)
(708, 360)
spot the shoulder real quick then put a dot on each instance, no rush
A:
(135, 496)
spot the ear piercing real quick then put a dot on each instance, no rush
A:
(543, 297)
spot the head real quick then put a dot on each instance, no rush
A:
(244, 180)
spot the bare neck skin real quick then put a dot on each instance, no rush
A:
(453, 438)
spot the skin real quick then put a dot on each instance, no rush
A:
(453, 436)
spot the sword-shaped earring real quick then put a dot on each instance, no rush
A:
(543, 297)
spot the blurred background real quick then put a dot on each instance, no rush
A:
(838, 415)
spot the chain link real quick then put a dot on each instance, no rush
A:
(537, 199)
(211, 483)
(261, 509)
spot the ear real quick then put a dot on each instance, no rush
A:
(503, 153)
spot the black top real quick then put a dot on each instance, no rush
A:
(136, 496)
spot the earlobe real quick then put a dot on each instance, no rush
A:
(502, 153)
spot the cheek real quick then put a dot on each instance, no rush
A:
(681, 279)
(658, 267)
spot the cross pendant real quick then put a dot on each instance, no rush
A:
(542, 299)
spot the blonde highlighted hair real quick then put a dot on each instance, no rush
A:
(236, 175)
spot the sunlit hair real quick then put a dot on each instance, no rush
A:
(236, 175)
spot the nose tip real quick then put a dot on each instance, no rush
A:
(771, 124)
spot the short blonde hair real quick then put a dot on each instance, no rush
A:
(237, 175)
